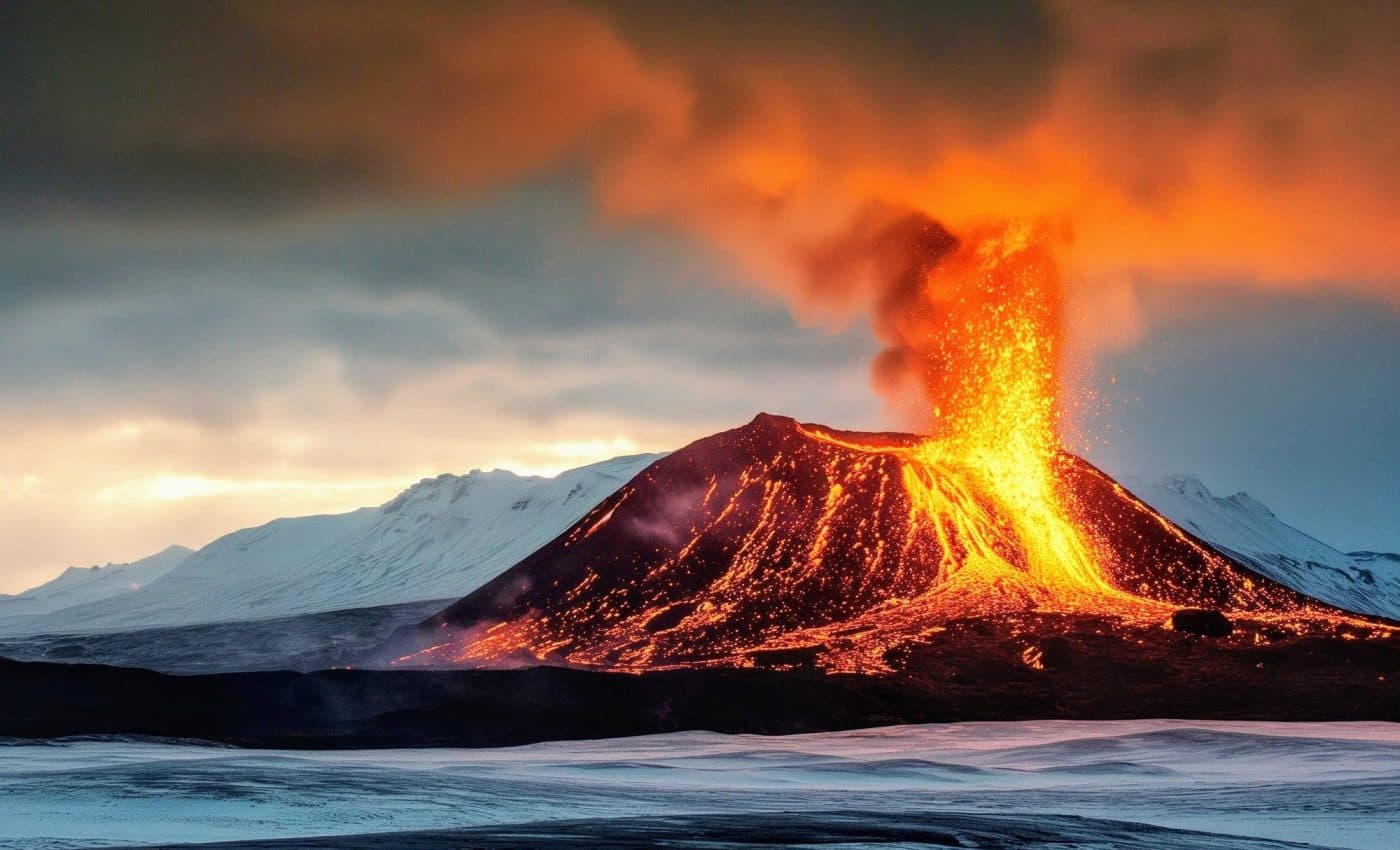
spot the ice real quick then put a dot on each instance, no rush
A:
(1329, 784)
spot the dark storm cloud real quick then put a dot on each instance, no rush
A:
(123, 109)
(247, 152)
(157, 180)
(527, 261)
(993, 60)
(243, 109)
(784, 118)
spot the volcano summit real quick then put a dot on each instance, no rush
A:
(780, 541)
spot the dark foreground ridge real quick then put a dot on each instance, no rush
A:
(788, 829)
(305, 642)
(1013, 667)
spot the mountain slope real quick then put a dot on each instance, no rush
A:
(1246, 530)
(77, 585)
(440, 538)
(445, 536)
(779, 539)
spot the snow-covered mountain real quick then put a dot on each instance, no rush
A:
(445, 536)
(441, 538)
(1242, 527)
(77, 585)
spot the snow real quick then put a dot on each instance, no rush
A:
(441, 538)
(1242, 527)
(1330, 784)
(77, 585)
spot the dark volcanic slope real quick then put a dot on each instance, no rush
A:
(1007, 667)
(301, 642)
(778, 537)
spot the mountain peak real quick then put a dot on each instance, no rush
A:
(1249, 503)
(769, 424)
(1186, 484)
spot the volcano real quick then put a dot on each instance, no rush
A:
(780, 543)
(782, 578)
(783, 542)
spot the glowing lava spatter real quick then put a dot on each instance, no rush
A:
(986, 335)
(778, 539)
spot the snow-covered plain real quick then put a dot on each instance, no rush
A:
(1326, 784)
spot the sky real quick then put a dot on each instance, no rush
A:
(265, 259)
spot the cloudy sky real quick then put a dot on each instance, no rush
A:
(263, 259)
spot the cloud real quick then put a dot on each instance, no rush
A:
(332, 367)
(137, 439)
(1228, 141)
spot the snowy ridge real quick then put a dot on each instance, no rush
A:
(444, 537)
(1243, 528)
(439, 539)
(77, 585)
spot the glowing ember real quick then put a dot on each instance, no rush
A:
(780, 543)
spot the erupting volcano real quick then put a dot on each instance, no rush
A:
(779, 541)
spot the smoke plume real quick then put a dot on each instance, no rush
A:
(833, 151)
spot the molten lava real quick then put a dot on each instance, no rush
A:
(779, 540)
(985, 338)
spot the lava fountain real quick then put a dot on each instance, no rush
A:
(984, 336)
(779, 540)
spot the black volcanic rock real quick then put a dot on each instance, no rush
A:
(1094, 668)
(780, 543)
(1195, 621)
